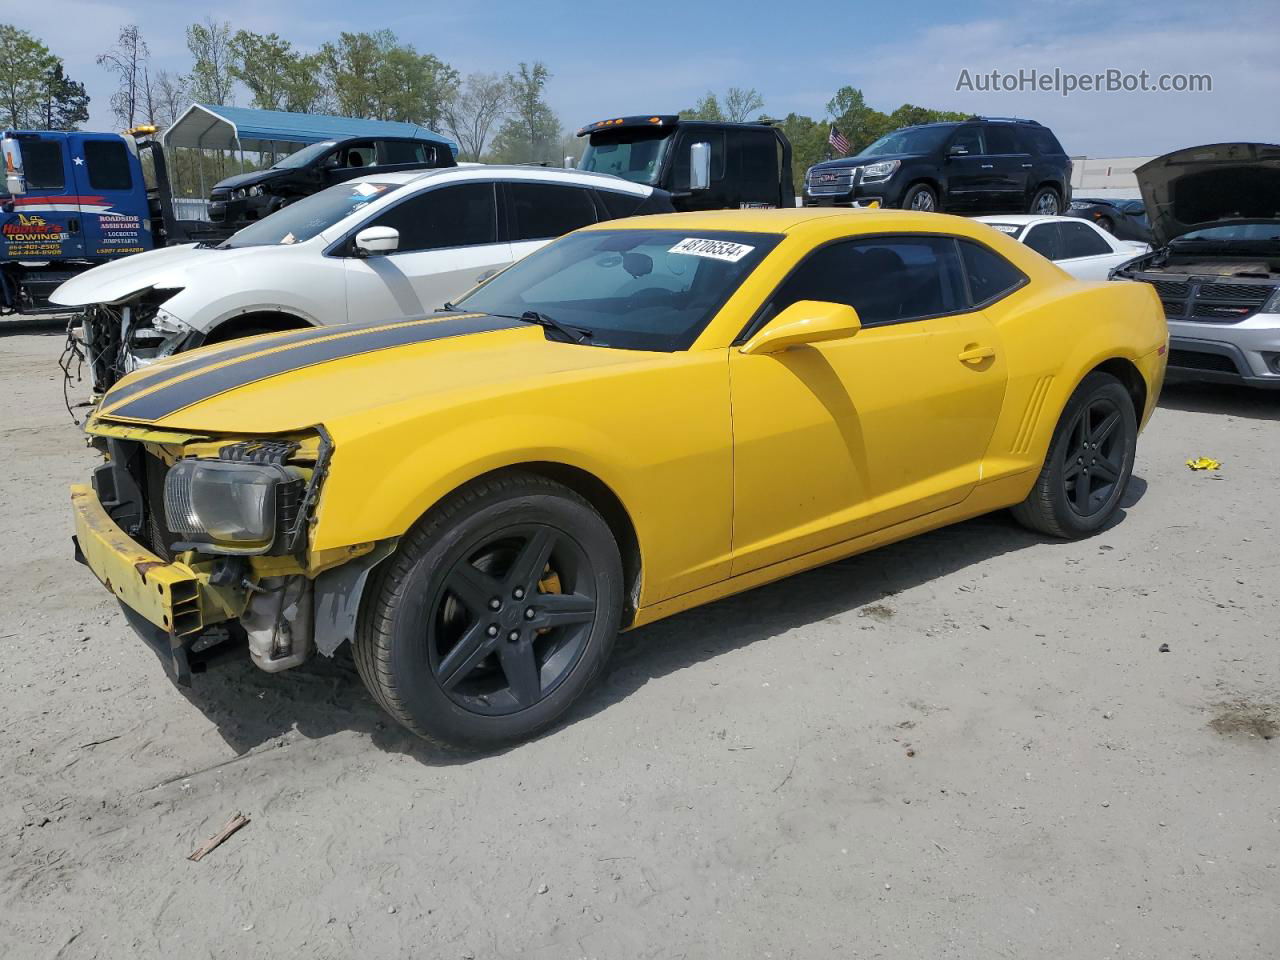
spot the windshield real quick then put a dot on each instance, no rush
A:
(309, 216)
(910, 140)
(304, 156)
(634, 289)
(635, 155)
(1234, 233)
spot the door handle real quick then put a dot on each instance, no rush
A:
(1026, 166)
(987, 166)
(73, 225)
(976, 354)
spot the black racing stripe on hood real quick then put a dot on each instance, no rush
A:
(209, 356)
(173, 397)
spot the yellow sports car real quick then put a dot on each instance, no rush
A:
(642, 417)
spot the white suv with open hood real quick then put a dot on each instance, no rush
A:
(1215, 226)
(385, 246)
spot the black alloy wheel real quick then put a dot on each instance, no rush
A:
(1089, 462)
(495, 613)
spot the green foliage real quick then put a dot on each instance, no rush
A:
(25, 67)
(66, 104)
(708, 108)
(374, 76)
(531, 134)
(278, 76)
(808, 143)
(211, 79)
(862, 125)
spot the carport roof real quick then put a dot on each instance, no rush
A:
(212, 127)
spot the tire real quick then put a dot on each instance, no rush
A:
(439, 656)
(1105, 223)
(1100, 413)
(1046, 203)
(921, 198)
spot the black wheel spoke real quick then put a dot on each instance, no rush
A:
(1105, 429)
(1106, 469)
(465, 656)
(527, 569)
(521, 667)
(1081, 494)
(474, 588)
(1072, 468)
(561, 609)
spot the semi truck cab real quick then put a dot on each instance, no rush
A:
(69, 201)
(703, 165)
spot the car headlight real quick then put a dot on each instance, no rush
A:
(880, 171)
(237, 193)
(228, 507)
(257, 190)
(1273, 304)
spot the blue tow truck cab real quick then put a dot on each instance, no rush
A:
(71, 201)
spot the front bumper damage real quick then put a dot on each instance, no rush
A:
(287, 607)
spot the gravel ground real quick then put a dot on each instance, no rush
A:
(966, 745)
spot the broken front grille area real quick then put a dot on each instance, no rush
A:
(130, 487)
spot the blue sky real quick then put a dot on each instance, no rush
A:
(658, 56)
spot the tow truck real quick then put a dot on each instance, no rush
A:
(73, 200)
(704, 165)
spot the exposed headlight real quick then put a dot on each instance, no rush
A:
(237, 193)
(227, 507)
(257, 190)
(880, 171)
(1273, 304)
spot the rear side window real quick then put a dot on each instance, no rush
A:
(42, 165)
(619, 205)
(1000, 139)
(990, 275)
(1042, 140)
(543, 210)
(1078, 240)
(756, 153)
(459, 216)
(886, 279)
(108, 163)
(402, 151)
(1045, 240)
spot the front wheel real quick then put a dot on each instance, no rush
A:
(494, 615)
(1089, 463)
(920, 197)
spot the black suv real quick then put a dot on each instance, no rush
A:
(238, 201)
(980, 165)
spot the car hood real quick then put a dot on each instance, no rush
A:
(169, 268)
(844, 162)
(1213, 185)
(284, 382)
(248, 179)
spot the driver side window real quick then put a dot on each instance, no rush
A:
(970, 138)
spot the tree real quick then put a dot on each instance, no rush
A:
(469, 117)
(708, 108)
(25, 66)
(169, 96)
(740, 104)
(373, 75)
(808, 143)
(278, 76)
(859, 123)
(532, 133)
(210, 45)
(127, 60)
(66, 104)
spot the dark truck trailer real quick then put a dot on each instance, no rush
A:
(704, 165)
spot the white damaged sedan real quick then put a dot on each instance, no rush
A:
(385, 246)
(1085, 251)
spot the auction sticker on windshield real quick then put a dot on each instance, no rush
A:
(712, 249)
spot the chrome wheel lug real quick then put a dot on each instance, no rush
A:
(513, 636)
(518, 593)
(495, 604)
(529, 614)
(493, 630)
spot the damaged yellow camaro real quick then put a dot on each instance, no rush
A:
(642, 417)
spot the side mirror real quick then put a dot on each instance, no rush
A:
(570, 162)
(700, 166)
(958, 150)
(14, 185)
(805, 321)
(375, 240)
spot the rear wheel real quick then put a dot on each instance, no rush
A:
(1089, 463)
(495, 614)
(1046, 203)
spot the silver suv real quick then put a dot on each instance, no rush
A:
(1215, 226)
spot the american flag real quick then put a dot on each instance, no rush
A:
(837, 140)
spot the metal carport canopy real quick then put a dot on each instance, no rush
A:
(208, 126)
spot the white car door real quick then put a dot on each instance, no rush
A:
(448, 243)
(540, 211)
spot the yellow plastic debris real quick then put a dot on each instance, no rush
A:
(1204, 463)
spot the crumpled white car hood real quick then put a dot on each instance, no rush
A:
(166, 269)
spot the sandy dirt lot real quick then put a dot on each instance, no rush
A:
(967, 745)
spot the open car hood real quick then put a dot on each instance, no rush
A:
(1213, 185)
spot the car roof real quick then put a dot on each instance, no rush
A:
(494, 171)
(1022, 219)
(791, 220)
